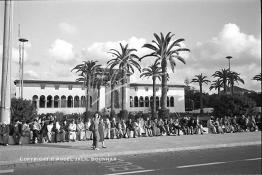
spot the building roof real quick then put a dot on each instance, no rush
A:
(80, 83)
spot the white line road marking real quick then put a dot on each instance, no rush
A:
(253, 159)
(7, 171)
(131, 172)
(216, 163)
(202, 164)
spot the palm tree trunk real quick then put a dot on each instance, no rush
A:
(112, 98)
(124, 90)
(87, 95)
(225, 86)
(98, 97)
(218, 91)
(232, 87)
(164, 85)
(201, 100)
(154, 98)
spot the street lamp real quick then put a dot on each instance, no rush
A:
(229, 57)
(21, 63)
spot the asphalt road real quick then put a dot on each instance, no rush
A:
(234, 160)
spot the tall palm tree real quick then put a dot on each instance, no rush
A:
(153, 71)
(232, 78)
(125, 59)
(257, 77)
(87, 72)
(217, 84)
(223, 76)
(165, 50)
(200, 79)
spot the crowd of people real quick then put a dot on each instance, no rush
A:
(49, 129)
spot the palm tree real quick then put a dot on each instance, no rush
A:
(125, 59)
(153, 71)
(217, 84)
(200, 79)
(232, 78)
(223, 76)
(88, 70)
(165, 50)
(257, 77)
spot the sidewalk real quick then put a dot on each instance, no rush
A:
(82, 149)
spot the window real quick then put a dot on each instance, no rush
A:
(131, 101)
(42, 101)
(70, 101)
(151, 101)
(57, 87)
(34, 100)
(146, 102)
(167, 101)
(146, 88)
(49, 101)
(136, 101)
(172, 102)
(70, 87)
(42, 86)
(76, 102)
(83, 101)
(56, 101)
(157, 102)
(141, 102)
(63, 101)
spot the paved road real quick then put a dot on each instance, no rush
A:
(234, 160)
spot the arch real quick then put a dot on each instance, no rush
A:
(63, 101)
(34, 101)
(116, 99)
(42, 101)
(172, 102)
(131, 100)
(151, 101)
(157, 102)
(49, 101)
(76, 102)
(146, 101)
(141, 101)
(83, 101)
(136, 101)
(167, 101)
(90, 101)
(69, 101)
(56, 101)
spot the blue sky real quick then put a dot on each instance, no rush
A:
(61, 34)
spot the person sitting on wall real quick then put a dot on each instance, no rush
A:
(177, 127)
(72, 131)
(160, 125)
(36, 131)
(64, 131)
(129, 127)
(80, 127)
(50, 132)
(166, 126)
(17, 127)
(210, 126)
(4, 133)
(107, 128)
(113, 128)
(26, 129)
(148, 127)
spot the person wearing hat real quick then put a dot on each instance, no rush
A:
(4, 133)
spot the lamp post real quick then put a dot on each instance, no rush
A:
(22, 41)
(5, 112)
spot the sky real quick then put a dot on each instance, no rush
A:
(64, 33)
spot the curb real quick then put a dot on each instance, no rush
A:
(56, 160)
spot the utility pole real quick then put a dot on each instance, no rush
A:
(229, 57)
(5, 112)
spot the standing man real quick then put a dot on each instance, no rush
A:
(17, 132)
(95, 131)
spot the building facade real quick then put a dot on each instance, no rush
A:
(70, 97)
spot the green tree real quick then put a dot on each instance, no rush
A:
(217, 84)
(165, 50)
(153, 71)
(125, 59)
(200, 79)
(22, 109)
(233, 77)
(257, 77)
(87, 71)
(223, 76)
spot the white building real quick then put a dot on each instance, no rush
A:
(70, 97)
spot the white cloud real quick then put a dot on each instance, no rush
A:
(30, 74)
(67, 28)
(62, 51)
